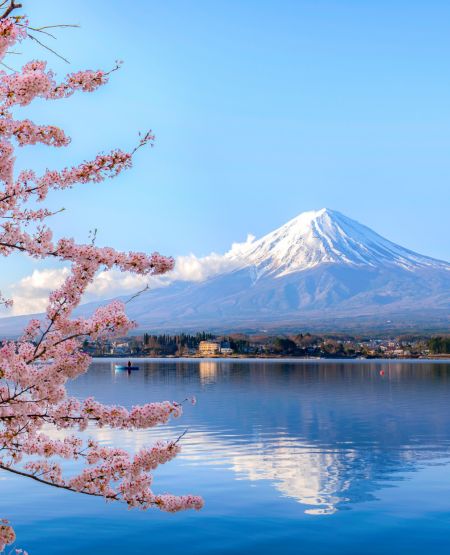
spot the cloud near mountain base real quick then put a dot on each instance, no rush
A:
(30, 294)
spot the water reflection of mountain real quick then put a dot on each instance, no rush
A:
(313, 478)
(325, 434)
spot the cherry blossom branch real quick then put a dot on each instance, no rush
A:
(36, 368)
(48, 483)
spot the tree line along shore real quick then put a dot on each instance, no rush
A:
(241, 345)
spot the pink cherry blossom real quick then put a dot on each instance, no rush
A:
(35, 369)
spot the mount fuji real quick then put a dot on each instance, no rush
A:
(321, 270)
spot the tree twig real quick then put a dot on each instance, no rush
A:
(146, 288)
(48, 48)
(181, 436)
(55, 26)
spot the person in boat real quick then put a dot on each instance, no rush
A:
(129, 364)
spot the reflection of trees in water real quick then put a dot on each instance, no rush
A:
(339, 404)
(326, 435)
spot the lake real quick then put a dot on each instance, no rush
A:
(323, 457)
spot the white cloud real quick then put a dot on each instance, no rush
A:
(192, 268)
(30, 294)
(114, 283)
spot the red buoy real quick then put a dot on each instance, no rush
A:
(381, 372)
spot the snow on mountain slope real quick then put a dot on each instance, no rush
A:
(325, 236)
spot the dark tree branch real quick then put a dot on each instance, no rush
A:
(12, 6)
(48, 483)
(146, 288)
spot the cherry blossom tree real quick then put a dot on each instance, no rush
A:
(35, 369)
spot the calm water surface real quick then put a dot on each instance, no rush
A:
(291, 457)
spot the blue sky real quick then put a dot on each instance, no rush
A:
(262, 109)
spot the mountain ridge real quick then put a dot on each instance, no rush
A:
(319, 267)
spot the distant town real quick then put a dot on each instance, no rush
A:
(293, 345)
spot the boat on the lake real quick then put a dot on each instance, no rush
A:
(122, 367)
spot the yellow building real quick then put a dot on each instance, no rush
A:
(207, 348)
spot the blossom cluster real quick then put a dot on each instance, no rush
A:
(7, 535)
(35, 81)
(34, 370)
(10, 33)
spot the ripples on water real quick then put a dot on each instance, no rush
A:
(293, 457)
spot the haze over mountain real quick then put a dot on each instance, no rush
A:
(319, 269)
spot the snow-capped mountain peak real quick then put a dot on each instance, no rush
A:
(325, 237)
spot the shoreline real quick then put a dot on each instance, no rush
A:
(275, 359)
